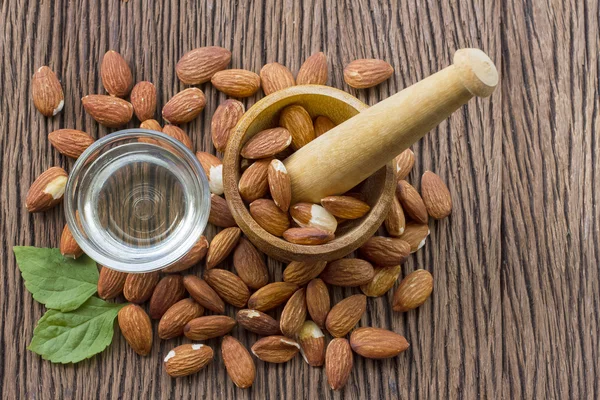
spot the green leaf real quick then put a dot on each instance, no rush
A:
(69, 337)
(58, 282)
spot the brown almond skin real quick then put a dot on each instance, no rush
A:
(304, 215)
(345, 315)
(187, 359)
(47, 94)
(308, 236)
(139, 287)
(413, 291)
(366, 73)
(238, 362)
(297, 121)
(193, 257)
(312, 344)
(385, 251)
(293, 314)
(301, 273)
(184, 107)
(178, 134)
(228, 286)
(271, 295)
(280, 184)
(136, 327)
(395, 222)
(143, 100)
(68, 245)
(70, 142)
(167, 292)
(322, 125)
(177, 316)
(220, 214)
(377, 343)
(274, 77)
(211, 326)
(275, 349)
(236, 82)
(415, 235)
(254, 182)
(110, 283)
(270, 217)
(266, 143)
(250, 265)
(436, 196)
(404, 163)
(338, 363)
(199, 65)
(203, 294)
(116, 74)
(223, 122)
(383, 280)
(258, 322)
(222, 245)
(318, 302)
(47, 190)
(345, 207)
(411, 201)
(313, 71)
(109, 111)
(349, 272)
(152, 125)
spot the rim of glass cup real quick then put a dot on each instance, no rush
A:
(89, 247)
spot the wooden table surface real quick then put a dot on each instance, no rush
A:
(515, 310)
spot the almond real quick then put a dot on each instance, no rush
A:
(415, 235)
(404, 163)
(274, 77)
(47, 93)
(220, 214)
(178, 134)
(313, 215)
(108, 110)
(236, 82)
(345, 207)
(139, 287)
(203, 294)
(345, 315)
(258, 322)
(338, 363)
(377, 343)
(270, 217)
(275, 349)
(280, 184)
(413, 291)
(116, 74)
(70, 142)
(271, 295)
(238, 362)
(308, 236)
(436, 196)
(266, 143)
(293, 314)
(211, 326)
(322, 124)
(110, 283)
(349, 272)
(312, 344)
(187, 359)
(317, 301)
(193, 257)
(250, 265)
(224, 121)
(167, 292)
(411, 201)
(152, 125)
(173, 321)
(68, 245)
(222, 244)
(382, 281)
(384, 251)
(47, 190)
(143, 100)
(254, 181)
(366, 73)
(313, 71)
(136, 327)
(300, 272)
(184, 106)
(228, 286)
(213, 168)
(394, 220)
(297, 120)
(199, 65)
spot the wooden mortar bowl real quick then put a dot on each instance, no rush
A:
(377, 190)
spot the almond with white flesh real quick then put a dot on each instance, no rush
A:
(193, 257)
(385, 251)
(272, 295)
(211, 326)
(308, 236)
(270, 217)
(301, 272)
(345, 315)
(395, 222)
(367, 72)
(436, 196)
(338, 363)
(348, 272)
(110, 283)
(345, 207)
(184, 107)
(152, 125)
(298, 122)
(167, 292)
(213, 168)
(68, 245)
(254, 182)
(280, 184)
(222, 245)
(223, 122)
(199, 65)
(313, 71)
(236, 82)
(411, 202)
(47, 94)
(177, 316)
(143, 100)
(178, 134)
(274, 77)
(47, 190)
(116, 74)
(404, 163)
(139, 287)
(250, 265)
(187, 359)
(413, 291)
(220, 214)
(238, 362)
(109, 111)
(312, 344)
(415, 235)
(318, 302)
(266, 143)
(70, 142)
(204, 295)
(313, 215)
(293, 314)
(377, 343)
(322, 124)
(275, 349)
(382, 281)
(136, 327)
(228, 286)
(258, 322)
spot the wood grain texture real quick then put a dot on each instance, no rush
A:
(515, 307)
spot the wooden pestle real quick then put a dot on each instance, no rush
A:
(352, 151)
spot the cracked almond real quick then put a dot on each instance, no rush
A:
(68, 245)
(47, 190)
(213, 168)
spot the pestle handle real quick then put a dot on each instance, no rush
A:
(352, 151)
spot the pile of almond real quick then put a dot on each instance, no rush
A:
(194, 306)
